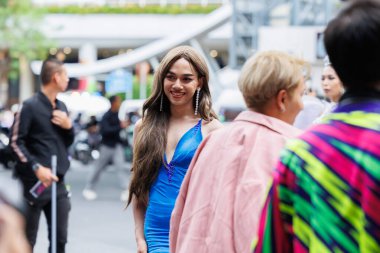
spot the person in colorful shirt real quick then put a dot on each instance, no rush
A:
(325, 192)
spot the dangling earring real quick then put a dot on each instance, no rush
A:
(197, 101)
(342, 90)
(162, 102)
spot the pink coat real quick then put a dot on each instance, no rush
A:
(220, 200)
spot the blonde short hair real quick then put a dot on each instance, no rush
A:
(267, 73)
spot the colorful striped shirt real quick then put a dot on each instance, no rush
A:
(325, 195)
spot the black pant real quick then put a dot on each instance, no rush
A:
(33, 217)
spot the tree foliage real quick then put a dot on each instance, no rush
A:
(21, 35)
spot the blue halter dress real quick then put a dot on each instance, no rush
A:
(165, 189)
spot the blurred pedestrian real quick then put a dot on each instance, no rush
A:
(331, 83)
(325, 194)
(175, 118)
(77, 123)
(222, 194)
(94, 136)
(41, 129)
(332, 87)
(111, 149)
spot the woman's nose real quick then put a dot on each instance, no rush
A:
(177, 83)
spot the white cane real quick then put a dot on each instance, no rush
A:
(54, 206)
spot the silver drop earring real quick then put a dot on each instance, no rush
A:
(162, 102)
(197, 101)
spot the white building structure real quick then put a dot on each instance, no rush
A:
(150, 35)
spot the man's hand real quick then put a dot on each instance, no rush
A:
(61, 119)
(46, 176)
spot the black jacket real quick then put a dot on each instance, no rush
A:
(110, 129)
(35, 138)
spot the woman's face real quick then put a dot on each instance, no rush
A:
(331, 84)
(180, 84)
(294, 104)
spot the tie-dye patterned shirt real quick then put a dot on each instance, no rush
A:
(325, 195)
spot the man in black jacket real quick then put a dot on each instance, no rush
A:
(41, 129)
(111, 149)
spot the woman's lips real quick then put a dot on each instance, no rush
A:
(177, 94)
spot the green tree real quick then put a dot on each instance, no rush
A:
(21, 37)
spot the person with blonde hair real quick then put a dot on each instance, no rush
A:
(175, 118)
(221, 197)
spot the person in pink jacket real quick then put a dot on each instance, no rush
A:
(221, 197)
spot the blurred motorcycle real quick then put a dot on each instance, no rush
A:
(86, 143)
(86, 147)
(7, 157)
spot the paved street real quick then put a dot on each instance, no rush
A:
(100, 226)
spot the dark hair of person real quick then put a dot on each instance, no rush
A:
(49, 68)
(148, 152)
(112, 99)
(352, 41)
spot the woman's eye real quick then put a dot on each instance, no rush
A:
(171, 78)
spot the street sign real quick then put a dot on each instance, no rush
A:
(119, 81)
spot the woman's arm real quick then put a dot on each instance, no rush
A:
(139, 210)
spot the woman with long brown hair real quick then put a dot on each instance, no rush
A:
(175, 118)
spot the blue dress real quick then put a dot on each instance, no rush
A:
(165, 189)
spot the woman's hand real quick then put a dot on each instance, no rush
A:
(141, 246)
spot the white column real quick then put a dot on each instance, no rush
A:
(87, 54)
(143, 71)
(26, 80)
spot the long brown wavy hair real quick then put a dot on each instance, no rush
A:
(150, 141)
